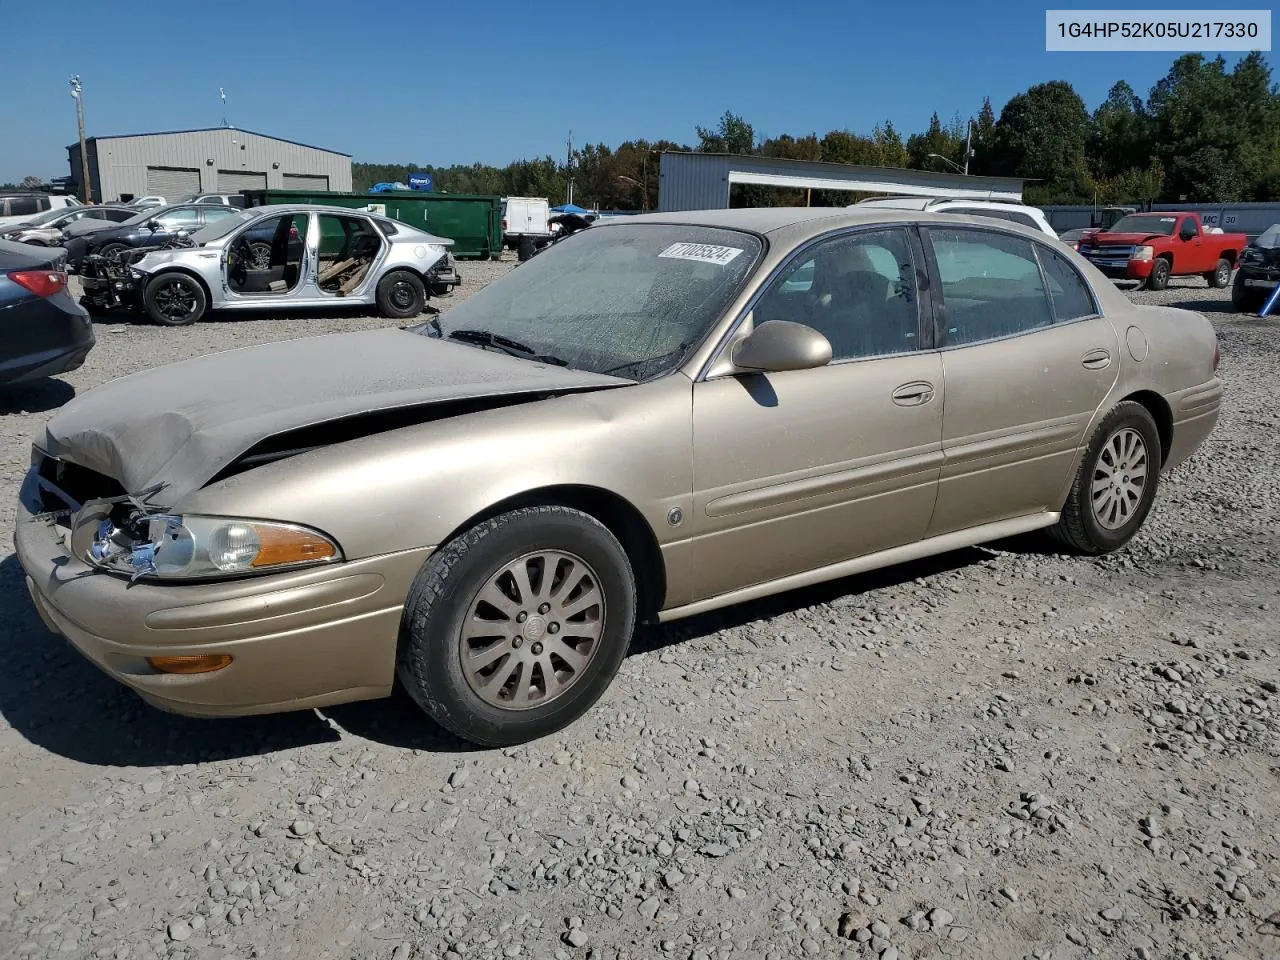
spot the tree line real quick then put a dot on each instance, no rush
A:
(1203, 133)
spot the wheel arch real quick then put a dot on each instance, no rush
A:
(618, 515)
(187, 271)
(1161, 413)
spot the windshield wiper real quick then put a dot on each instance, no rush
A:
(514, 348)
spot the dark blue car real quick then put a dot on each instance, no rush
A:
(43, 331)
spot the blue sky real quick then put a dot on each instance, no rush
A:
(456, 82)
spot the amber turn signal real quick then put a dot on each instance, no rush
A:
(203, 663)
(284, 545)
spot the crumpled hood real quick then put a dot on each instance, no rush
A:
(181, 423)
(1104, 237)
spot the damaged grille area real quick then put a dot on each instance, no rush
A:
(292, 443)
(67, 485)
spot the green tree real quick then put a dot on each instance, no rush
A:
(890, 151)
(1041, 135)
(1119, 133)
(948, 143)
(731, 135)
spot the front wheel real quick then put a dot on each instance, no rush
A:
(1160, 271)
(401, 295)
(516, 628)
(1115, 484)
(1243, 298)
(175, 300)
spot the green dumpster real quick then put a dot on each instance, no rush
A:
(472, 221)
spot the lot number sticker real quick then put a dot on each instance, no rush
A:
(701, 252)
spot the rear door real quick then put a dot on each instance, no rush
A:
(1027, 359)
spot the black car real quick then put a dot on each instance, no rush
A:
(150, 228)
(1259, 271)
(43, 331)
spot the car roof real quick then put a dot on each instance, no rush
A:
(795, 224)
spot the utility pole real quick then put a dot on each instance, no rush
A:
(968, 147)
(84, 152)
(569, 164)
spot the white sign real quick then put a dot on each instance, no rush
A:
(701, 252)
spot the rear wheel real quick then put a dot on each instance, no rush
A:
(1221, 275)
(1160, 271)
(113, 250)
(1115, 484)
(516, 628)
(175, 300)
(401, 295)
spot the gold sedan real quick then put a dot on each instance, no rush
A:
(652, 418)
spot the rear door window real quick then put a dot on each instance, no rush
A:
(1071, 296)
(991, 285)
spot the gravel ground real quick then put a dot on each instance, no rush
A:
(996, 753)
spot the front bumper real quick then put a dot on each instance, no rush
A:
(1118, 269)
(298, 640)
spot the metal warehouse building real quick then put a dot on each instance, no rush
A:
(214, 160)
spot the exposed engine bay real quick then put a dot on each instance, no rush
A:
(109, 280)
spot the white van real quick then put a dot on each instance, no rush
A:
(524, 216)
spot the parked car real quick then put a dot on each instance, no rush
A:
(645, 421)
(1259, 271)
(997, 209)
(43, 331)
(18, 208)
(45, 229)
(148, 202)
(147, 228)
(1073, 237)
(314, 257)
(224, 199)
(1153, 247)
(524, 217)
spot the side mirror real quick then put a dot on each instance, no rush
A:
(778, 345)
(1187, 233)
(152, 226)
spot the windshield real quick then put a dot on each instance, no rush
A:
(630, 300)
(49, 215)
(1145, 223)
(1269, 239)
(218, 229)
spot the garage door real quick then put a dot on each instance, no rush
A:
(306, 181)
(233, 181)
(172, 183)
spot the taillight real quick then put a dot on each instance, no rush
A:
(43, 283)
(504, 224)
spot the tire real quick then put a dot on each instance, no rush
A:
(1243, 299)
(1221, 276)
(1160, 271)
(261, 255)
(401, 295)
(1097, 530)
(174, 300)
(445, 602)
(113, 249)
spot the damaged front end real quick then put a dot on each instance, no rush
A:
(111, 282)
(133, 536)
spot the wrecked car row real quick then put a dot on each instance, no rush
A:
(271, 257)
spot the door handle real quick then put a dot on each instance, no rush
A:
(913, 394)
(1098, 359)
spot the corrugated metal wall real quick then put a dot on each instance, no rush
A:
(122, 162)
(702, 181)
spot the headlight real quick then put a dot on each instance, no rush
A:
(1143, 253)
(168, 547)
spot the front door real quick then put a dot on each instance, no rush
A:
(798, 470)
(268, 259)
(1026, 360)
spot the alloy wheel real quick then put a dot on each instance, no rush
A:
(1119, 478)
(532, 630)
(175, 300)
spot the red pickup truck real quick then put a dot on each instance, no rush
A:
(1152, 247)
